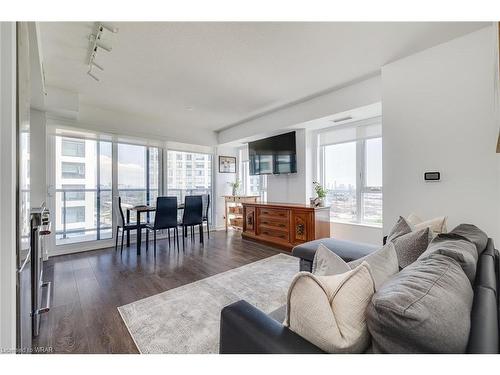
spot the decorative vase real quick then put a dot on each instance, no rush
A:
(235, 191)
(322, 202)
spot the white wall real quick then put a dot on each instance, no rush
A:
(438, 115)
(295, 187)
(222, 181)
(357, 233)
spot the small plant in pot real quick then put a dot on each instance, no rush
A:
(320, 193)
(235, 186)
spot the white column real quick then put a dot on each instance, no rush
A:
(8, 185)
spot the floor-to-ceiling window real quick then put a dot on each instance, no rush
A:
(250, 185)
(188, 173)
(138, 175)
(351, 171)
(83, 190)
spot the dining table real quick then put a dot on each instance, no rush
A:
(140, 210)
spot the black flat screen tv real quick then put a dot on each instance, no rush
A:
(273, 155)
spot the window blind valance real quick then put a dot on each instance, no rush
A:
(351, 132)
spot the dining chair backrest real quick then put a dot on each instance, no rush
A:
(206, 204)
(166, 212)
(118, 212)
(193, 210)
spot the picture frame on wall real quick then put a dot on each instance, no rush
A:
(227, 164)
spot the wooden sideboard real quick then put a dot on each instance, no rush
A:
(285, 225)
(233, 212)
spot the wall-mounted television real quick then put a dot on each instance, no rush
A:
(273, 155)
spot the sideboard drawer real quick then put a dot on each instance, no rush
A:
(274, 223)
(272, 234)
(275, 213)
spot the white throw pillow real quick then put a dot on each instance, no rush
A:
(329, 311)
(383, 263)
(437, 225)
(413, 219)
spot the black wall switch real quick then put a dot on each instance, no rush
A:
(432, 176)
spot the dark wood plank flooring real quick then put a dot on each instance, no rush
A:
(88, 287)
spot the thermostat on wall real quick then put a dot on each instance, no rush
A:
(432, 176)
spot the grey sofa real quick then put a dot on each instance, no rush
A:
(246, 329)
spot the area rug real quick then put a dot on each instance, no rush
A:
(187, 319)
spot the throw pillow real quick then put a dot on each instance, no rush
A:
(425, 308)
(457, 247)
(413, 219)
(326, 262)
(401, 227)
(383, 263)
(437, 225)
(329, 311)
(410, 246)
(473, 234)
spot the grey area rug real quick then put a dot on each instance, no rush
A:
(187, 319)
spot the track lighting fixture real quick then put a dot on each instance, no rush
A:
(97, 44)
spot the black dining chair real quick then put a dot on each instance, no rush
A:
(165, 218)
(205, 198)
(122, 224)
(192, 216)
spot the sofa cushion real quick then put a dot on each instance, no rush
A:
(383, 263)
(425, 308)
(347, 250)
(458, 248)
(329, 311)
(410, 246)
(473, 234)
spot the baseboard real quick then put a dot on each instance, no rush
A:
(103, 244)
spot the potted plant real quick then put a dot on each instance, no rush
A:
(320, 193)
(235, 186)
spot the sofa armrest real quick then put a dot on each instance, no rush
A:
(244, 329)
(347, 250)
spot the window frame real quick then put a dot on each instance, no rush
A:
(75, 176)
(78, 142)
(361, 171)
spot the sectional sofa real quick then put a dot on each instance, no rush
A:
(246, 329)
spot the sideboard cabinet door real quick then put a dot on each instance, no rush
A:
(302, 226)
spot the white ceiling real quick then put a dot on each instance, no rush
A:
(208, 76)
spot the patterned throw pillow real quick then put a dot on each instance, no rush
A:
(401, 227)
(409, 244)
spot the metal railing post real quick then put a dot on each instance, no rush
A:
(64, 216)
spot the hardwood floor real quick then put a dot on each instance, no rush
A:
(88, 287)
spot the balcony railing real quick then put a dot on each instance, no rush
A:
(101, 207)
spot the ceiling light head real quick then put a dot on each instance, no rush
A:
(190, 108)
(108, 27)
(93, 76)
(93, 63)
(342, 119)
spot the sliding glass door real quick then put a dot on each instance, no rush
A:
(83, 195)
(89, 173)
